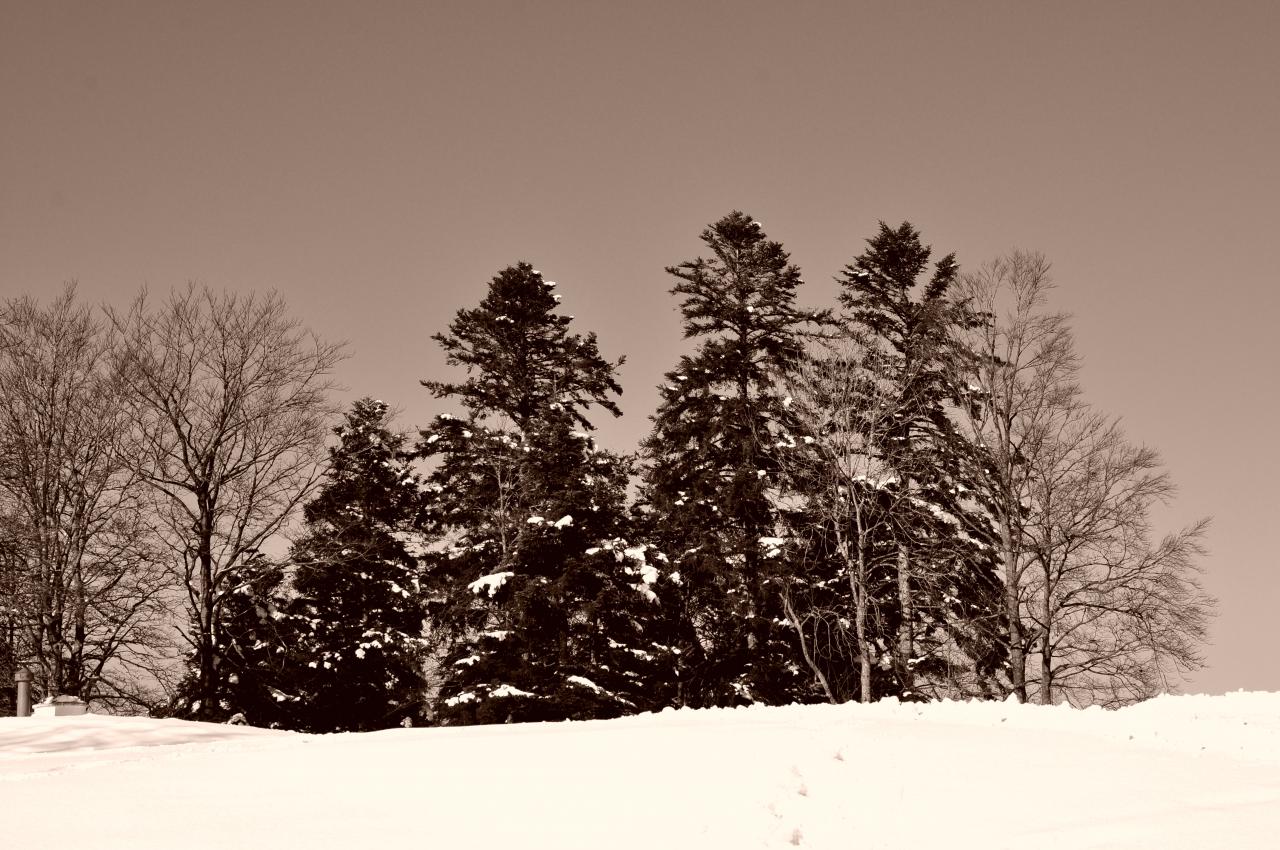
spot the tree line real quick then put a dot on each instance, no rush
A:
(905, 494)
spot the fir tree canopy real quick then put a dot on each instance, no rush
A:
(521, 358)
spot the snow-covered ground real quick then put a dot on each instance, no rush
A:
(1177, 772)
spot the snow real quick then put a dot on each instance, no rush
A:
(772, 546)
(586, 683)
(1176, 772)
(464, 697)
(490, 584)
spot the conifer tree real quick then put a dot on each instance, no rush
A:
(254, 680)
(712, 463)
(948, 589)
(357, 614)
(520, 358)
(538, 598)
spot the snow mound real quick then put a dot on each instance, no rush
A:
(94, 732)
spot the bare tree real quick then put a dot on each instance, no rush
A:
(1116, 618)
(844, 406)
(84, 592)
(1070, 500)
(232, 398)
(1018, 372)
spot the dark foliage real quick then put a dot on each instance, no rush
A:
(948, 611)
(357, 612)
(711, 468)
(537, 597)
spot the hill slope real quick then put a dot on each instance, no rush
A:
(1191, 772)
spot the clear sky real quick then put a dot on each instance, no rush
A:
(378, 163)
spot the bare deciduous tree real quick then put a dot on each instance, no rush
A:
(1018, 371)
(1106, 615)
(232, 398)
(845, 408)
(1116, 618)
(84, 592)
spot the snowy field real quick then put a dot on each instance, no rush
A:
(1177, 772)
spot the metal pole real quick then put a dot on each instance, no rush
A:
(23, 679)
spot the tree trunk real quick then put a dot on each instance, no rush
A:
(1046, 643)
(77, 683)
(1013, 613)
(207, 686)
(906, 644)
(860, 626)
(794, 618)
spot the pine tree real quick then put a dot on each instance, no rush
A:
(948, 589)
(712, 463)
(538, 599)
(358, 657)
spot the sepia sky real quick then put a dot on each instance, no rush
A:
(378, 163)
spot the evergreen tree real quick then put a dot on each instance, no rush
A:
(712, 467)
(357, 614)
(947, 585)
(253, 679)
(537, 598)
(520, 358)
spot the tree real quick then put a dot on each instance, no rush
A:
(255, 649)
(1117, 618)
(357, 616)
(712, 464)
(9, 619)
(1020, 372)
(1106, 616)
(537, 599)
(231, 397)
(520, 358)
(82, 596)
(838, 470)
(948, 591)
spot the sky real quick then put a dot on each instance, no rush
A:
(1175, 773)
(377, 164)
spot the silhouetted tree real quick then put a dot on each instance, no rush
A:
(80, 586)
(357, 614)
(254, 679)
(948, 588)
(537, 597)
(711, 467)
(1107, 615)
(232, 399)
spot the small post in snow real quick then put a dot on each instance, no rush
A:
(22, 678)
